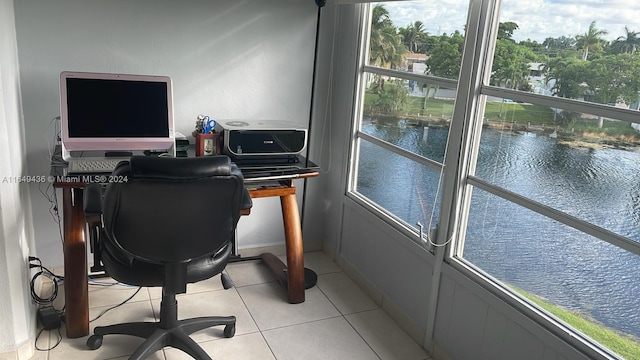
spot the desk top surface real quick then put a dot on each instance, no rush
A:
(254, 169)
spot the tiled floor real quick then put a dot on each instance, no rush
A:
(337, 320)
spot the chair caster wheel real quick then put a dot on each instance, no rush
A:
(229, 331)
(94, 342)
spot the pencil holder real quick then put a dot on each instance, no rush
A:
(207, 144)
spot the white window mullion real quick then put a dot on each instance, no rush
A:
(477, 55)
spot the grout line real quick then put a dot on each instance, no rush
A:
(362, 337)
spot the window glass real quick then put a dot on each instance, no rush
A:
(582, 165)
(410, 42)
(588, 283)
(579, 50)
(423, 37)
(401, 186)
(566, 161)
(401, 113)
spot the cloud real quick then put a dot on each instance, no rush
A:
(536, 19)
(438, 17)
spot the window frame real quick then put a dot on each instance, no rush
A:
(357, 136)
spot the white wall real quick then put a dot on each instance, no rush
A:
(16, 234)
(229, 59)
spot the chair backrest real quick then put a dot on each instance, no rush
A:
(171, 210)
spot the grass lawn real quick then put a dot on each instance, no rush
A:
(624, 346)
(520, 114)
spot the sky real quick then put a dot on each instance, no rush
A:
(536, 19)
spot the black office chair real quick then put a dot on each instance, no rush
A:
(167, 222)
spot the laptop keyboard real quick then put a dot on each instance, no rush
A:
(92, 166)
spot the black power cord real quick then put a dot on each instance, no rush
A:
(48, 316)
(43, 271)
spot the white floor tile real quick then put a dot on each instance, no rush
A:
(344, 293)
(213, 283)
(129, 312)
(269, 307)
(108, 295)
(337, 320)
(113, 345)
(249, 273)
(42, 354)
(319, 262)
(385, 337)
(240, 347)
(331, 339)
(214, 303)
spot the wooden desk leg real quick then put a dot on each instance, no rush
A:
(76, 290)
(295, 251)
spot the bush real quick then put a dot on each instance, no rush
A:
(393, 98)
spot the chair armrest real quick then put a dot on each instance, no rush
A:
(247, 203)
(92, 200)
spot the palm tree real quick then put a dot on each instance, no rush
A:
(554, 45)
(385, 45)
(627, 44)
(591, 40)
(413, 35)
(382, 33)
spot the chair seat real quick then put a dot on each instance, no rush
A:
(140, 273)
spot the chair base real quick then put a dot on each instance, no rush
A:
(168, 332)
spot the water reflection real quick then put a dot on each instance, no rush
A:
(594, 185)
(398, 184)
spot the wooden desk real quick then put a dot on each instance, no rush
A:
(76, 289)
(291, 276)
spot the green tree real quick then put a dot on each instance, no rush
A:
(413, 36)
(567, 73)
(609, 80)
(535, 46)
(385, 45)
(506, 29)
(446, 55)
(511, 64)
(444, 60)
(393, 98)
(614, 78)
(591, 40)
(559, 43)
(628, 43)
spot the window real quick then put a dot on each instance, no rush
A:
(554, 210)
(542, 174)
(407, 92)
